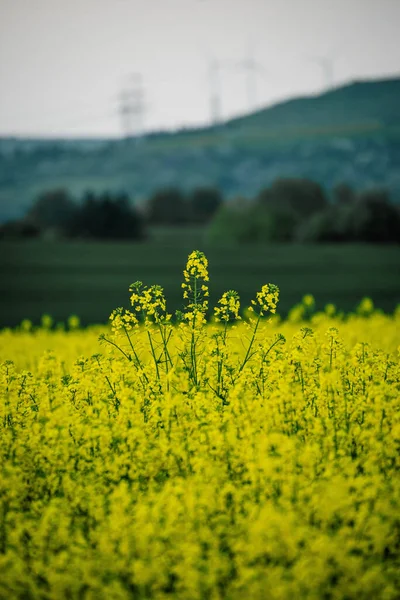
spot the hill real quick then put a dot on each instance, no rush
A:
(356, 106)
(351, 134)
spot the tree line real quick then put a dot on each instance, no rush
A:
(55, 213)
(112, 216)
(299, 210)
(290, 210)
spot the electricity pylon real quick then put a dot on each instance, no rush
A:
(252, 70)
(132, 107)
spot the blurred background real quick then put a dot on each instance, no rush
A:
(131, 132)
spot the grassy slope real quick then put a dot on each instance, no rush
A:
(90, 279)
(366, 104)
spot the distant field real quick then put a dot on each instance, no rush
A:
(90, 279)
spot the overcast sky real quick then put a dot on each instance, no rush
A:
(63, 63)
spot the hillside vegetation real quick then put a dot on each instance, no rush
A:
(350, 134)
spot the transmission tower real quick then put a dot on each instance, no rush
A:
(250, 67)
(252, 70)
(132, 107)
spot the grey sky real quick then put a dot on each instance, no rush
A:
(64, 62)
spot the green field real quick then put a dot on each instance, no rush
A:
(90, 279)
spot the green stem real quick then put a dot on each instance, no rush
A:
(118, 348)
(246, 358)
(138, 361)
(165, 341)
(193, 339)
(154, 354)
(167, 356)
(225, 329)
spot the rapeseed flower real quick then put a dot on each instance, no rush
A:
(201, 460)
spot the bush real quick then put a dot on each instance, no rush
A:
(54, 209)
(343, 194)
(301, 197)
(204, 203)
(274, 225)
(375, 219)
(244, 221)
(320, 227)
(168, 207)
(19, 229)
(231, 223)
(368, 217)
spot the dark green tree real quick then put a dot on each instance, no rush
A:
(204, 203)
(54, 209)
(369, 217)
(375, 219)
(301, 197)
(168, 207)
(108, 217)
(343, 194)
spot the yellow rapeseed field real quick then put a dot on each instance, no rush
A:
(195, 458)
